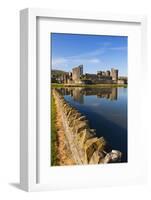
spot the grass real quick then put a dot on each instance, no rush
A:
(56, 85)
(53, 133)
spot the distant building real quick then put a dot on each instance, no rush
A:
(107, 73)
(114, 74)
(122, 80)
(77, 72)
(102, 77)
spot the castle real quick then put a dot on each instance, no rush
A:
(102, 77)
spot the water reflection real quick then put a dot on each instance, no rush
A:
(106, 110)
(78, 93)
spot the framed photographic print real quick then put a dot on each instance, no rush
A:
(81, 99)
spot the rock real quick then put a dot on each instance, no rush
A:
(83, 136)
(80, 125)
(101, 143)
(93, 132)
(112, 157)
(95, 158)
(90, 146)
(89, 142)
(82, 118)
(71, 112)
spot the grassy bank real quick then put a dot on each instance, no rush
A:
(55, 85)
(53, 133)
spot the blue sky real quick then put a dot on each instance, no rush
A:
(95, 52)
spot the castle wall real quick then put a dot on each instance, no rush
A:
(102, 77)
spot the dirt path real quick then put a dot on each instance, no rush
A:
(64, 156)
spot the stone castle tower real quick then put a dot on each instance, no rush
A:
(114, 74)
(77, 72)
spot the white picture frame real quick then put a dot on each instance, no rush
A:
(29, 95)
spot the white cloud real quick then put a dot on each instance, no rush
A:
(88, 58)
(58, 63)
(93, 53)
(118, 48)
(94, 60)
(64, 63)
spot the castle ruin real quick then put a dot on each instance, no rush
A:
(77, 72)
(101, 77)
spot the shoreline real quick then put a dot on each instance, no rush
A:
(60, 145)
(55, 85)
(53, 142)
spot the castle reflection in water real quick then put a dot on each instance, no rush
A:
(78, 93)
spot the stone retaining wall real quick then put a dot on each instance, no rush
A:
(85, 147)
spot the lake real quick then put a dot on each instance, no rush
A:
(106, 110)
